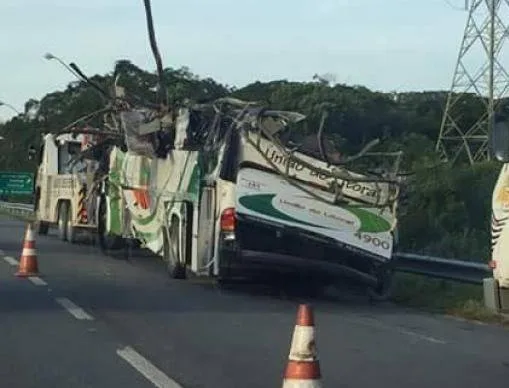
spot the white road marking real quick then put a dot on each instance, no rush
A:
(421, 336)
(37, 281)
(464, 320)
(380, 325)
(11, 260)
(142, 365)
(73, 309)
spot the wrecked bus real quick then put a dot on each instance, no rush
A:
(221, 195)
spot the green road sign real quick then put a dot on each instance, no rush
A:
(16, 183)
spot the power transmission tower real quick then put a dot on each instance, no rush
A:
(480, 81)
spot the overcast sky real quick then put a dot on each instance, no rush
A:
(382, 44)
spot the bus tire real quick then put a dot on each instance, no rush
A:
(107, 242)
(382, 292)
(172, 251)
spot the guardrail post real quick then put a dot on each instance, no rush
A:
(496, 299)
(491, 294)
(504, 299)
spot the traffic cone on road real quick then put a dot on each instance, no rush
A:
(303, 368)
(28, 262)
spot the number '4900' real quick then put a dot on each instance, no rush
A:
(372, 240)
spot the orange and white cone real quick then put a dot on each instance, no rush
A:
(303, 368)
(28, 262)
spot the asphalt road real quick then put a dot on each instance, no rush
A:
(95, 321)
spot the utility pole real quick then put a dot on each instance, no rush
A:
(476, 91)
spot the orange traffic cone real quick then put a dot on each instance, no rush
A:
(303, 368)
(28, 261)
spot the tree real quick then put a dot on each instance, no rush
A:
(446, 211)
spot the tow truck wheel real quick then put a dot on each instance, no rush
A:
(63, 209)
(172, 252)
(71, 230)
(42, 228)
(383, 290)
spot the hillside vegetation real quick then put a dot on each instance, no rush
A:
(446, 211)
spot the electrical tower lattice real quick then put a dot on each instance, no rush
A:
(480, 81)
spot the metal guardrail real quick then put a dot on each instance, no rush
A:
(442, 268)
(434, 267)
(17, 205)
(17, 209)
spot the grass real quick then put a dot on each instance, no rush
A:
(444, 297)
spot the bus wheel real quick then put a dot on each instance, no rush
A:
(383, 290)
(172, 252)
(106, 241)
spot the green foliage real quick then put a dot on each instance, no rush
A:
(446, 211)
(436, 295)
(442, 296)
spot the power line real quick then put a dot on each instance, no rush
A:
(487, 32)
(464, 8)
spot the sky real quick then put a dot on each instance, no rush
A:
(388, 45)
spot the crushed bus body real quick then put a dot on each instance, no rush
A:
(229, 197)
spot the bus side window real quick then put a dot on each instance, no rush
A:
(230, 161)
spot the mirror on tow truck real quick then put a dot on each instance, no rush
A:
(499, 139)
(31, 152)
